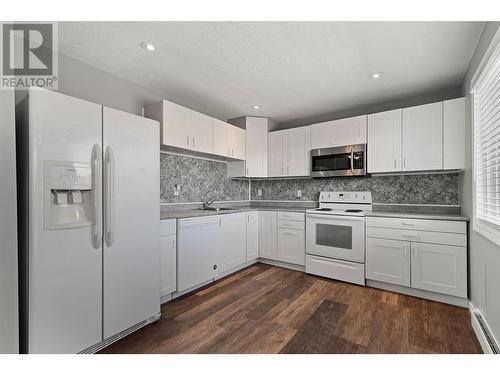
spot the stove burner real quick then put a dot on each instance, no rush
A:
(353, 210)
(324, 209)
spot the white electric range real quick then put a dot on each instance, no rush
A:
(335, 236)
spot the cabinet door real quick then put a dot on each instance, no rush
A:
(423, 137)
(220, 142)
(384, 141)
(256, 146)
(252, 235)
(168, 266)
(439, 268)
(236, 143)
(454, 134)
(232, 241)
(388, 261)
(342, 132)
(201, 132)
(175, 125)
(299, 151)
(292, 246)
(276, 153)
(268, 241)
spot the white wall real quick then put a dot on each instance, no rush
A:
(484, 254)
(8, 227)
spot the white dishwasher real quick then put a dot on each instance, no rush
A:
(196, 251)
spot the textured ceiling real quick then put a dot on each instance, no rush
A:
(294, 70)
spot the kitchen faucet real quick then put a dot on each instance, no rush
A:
(208, 203)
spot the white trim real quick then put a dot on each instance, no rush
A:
(486, 62)
(214, 159)
(415, 173)
(481, 337)
(443, 298)
(198, 203)
(416, 204)
(279, 263)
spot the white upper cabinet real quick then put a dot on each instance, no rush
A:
(220, 144)
(228, 140)
(277, 153)
(289, 152)
(201, 132)
(342, 132)
(184, 128)
(454, 134)
(299, 151)
(236, 142)
(384, 141)
(256, 146)
(423, 137)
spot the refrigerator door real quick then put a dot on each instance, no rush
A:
(131, 220)
(64, 268)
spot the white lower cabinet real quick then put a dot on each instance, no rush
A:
(168, 256)
(439, 268)
(388, 261)
(231, 240)
(268, 235)
(252, 235)
(431, 256)
(291, 246)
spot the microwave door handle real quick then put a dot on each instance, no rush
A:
(352, 161)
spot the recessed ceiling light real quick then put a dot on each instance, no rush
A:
(256, 106)
(148, 46)
(376, 75)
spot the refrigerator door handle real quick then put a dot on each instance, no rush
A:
(97, 169)
(109, 196)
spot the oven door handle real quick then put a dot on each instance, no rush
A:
(336, 217)
(352, 160)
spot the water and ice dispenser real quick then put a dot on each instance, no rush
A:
(68, 195)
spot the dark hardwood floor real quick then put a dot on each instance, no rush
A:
(266, 309)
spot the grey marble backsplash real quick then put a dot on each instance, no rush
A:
(200, 180)
(437, 189)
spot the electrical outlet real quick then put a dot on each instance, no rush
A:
(259, 192)
(177, 190)
(299, 193)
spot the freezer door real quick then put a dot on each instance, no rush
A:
(64, 291)
(131, 220)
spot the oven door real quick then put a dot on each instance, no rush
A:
(339, 161)
(338, 237)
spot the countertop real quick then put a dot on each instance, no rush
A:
(418, 215)
(184, 214)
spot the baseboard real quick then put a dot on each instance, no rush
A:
(443, 298)
(279, 263)
(488, 344)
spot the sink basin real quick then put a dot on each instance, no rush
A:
(217, 209)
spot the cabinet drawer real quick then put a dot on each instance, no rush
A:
(296, 216)
(168, 227)
(336, 269)
(290, 224)
(455, 239)
(417, 224)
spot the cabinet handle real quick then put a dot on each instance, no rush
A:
(187, 141)
(288, 234)
(248, 173)
(404, 162)
(282, 170)
(288, 169)
(395, 165)
(228, 151)
(193, 140)
(405, 251)
(408, 224)
(173, 243)
(410, 235)
(232, 152)
(248, 218)
(415, 253)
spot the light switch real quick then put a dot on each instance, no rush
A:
(259, 192)
(299, 193)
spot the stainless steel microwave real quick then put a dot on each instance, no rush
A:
(339, 161)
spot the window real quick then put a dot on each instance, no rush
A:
(486, 109)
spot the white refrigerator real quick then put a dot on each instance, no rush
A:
(89, 228)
